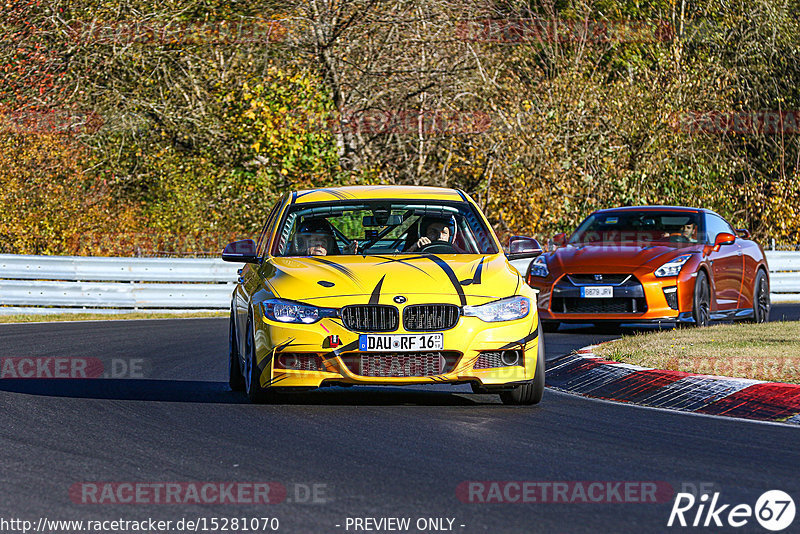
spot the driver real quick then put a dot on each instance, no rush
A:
(687, 233)
(434, 229)
(314, 237)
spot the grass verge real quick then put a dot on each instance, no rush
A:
(104, 316)
(769, 351)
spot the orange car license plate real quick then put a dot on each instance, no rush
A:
(597, 292)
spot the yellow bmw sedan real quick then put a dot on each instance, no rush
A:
(383, 285)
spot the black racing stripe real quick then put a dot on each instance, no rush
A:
(274, 381)
(533, 335)
(376, 293)
(263, 364)
(341, 268)
(451, 275)
(336, 194)
(403, 261)
(344, 348)
(466, 365)
(476, 279)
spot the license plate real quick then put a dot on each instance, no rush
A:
(597, 292)
(400, 342)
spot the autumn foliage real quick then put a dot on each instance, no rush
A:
(171, 128)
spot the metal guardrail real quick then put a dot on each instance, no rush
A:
(56, 284)
(784, 274)
(62, 284)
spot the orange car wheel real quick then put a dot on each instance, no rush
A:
(701, 310)
(761, 302)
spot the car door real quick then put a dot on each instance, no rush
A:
(727, 265)
(248, 281)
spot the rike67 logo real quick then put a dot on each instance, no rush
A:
(774, 510)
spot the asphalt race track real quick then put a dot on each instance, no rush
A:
(168, 416)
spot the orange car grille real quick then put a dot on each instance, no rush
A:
(607, 305)
(400, 364)
(628, 295)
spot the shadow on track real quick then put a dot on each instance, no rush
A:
(219, 393)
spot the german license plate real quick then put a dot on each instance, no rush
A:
(597, 292)
(400, 342)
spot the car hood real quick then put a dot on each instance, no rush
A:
(607, 257)
(452, 277)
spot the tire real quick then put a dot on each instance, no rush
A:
(550, 326)
(701, 307)
(252, 386)
(761, 302)
(530, 393)
(235, 378)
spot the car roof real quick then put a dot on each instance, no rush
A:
(377, 192)
(655, 208)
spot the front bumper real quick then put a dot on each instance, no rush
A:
(637, 298)
(465, 342)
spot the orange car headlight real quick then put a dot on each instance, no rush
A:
(538, 267)
(672, 267)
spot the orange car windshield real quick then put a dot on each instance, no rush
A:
(639, 227)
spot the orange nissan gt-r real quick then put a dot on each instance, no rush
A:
(652, 264)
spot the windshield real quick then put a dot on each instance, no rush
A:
(639, 227)
(383, 227)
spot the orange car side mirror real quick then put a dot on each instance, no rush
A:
(723, 238)
(560, 240)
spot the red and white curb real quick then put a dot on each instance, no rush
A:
(585, 373)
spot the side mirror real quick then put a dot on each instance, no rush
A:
(523, 247)
(723, 238)
(243, 251)
(560, 240)
(743, 233)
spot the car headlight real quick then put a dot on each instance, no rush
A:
(539, 267)
(507, 309)
(672, 267)
(287, 311)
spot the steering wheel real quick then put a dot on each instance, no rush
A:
(438, 247)
(680, 238)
